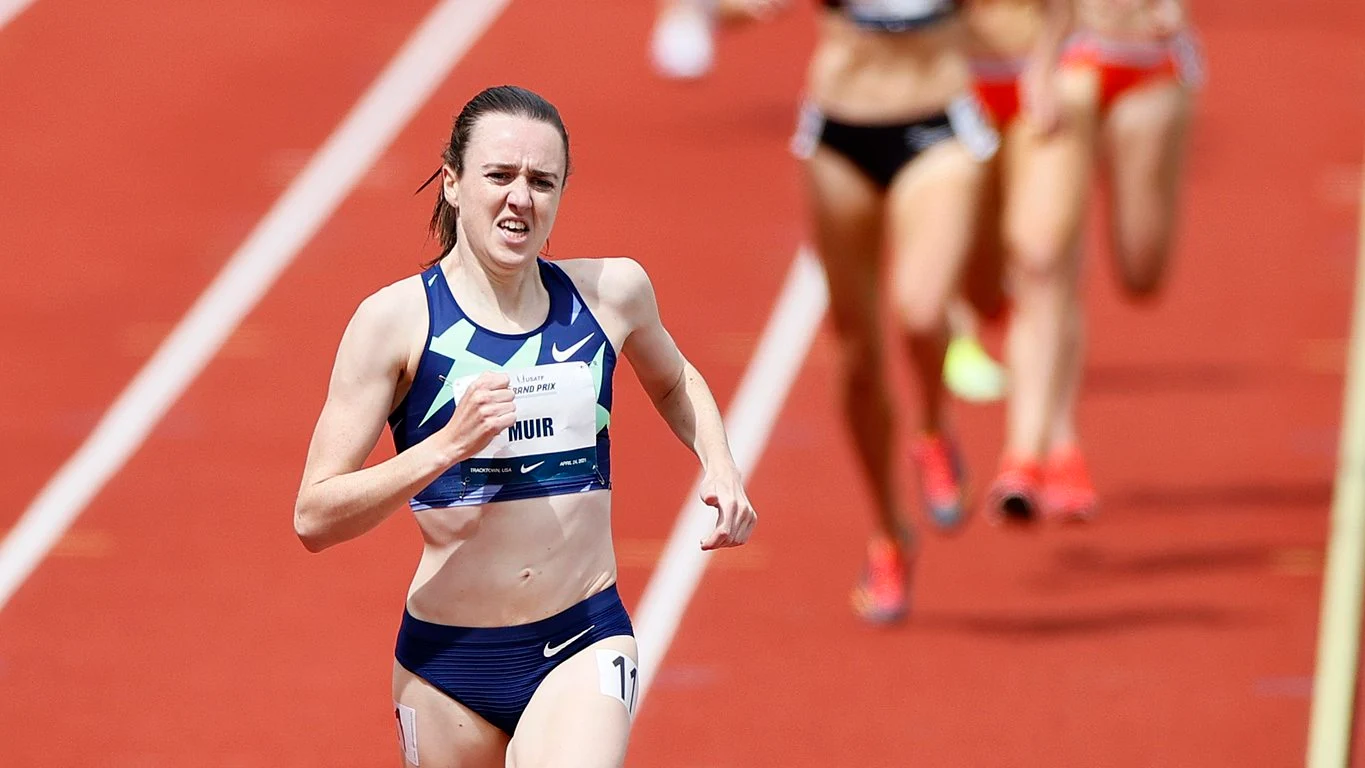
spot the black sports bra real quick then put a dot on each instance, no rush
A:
(893, 15)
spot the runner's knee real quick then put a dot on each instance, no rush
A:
(1038, 262)
(921, 310)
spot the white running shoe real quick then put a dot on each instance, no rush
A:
(683, 46)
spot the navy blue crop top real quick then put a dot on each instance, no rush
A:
(534, 459)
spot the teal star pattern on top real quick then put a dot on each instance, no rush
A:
(603, 415)
(454, 344)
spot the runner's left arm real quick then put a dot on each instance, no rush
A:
(681, 397)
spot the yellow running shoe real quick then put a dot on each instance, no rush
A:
(970, 373)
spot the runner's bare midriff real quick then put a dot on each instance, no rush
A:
(1003, 29)
(860, 76)
(512, 562)
(1131, 20)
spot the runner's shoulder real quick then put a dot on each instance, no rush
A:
(390, 315)
(619, 282)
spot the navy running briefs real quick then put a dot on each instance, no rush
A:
(495, 670)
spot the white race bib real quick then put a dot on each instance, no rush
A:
(554, 436)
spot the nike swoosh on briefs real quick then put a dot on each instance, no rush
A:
(550, 651)
(560, 355)
(525, 469)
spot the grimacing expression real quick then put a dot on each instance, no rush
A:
(508, 195)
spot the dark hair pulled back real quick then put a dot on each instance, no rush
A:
(504, 100)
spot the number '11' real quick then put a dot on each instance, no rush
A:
(629, 699)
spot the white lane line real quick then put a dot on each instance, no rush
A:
(443, 37)
(748, 422)
(9, 9)
(1338, 661)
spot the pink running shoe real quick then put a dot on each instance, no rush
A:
(1068, 493)
(1015, 496)
(940, 480)
(882, 595)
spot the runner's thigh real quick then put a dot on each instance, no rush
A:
(580, 715)
(441, 732)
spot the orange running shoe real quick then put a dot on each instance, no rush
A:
(882, 595)
(1016, 493)
(940, 480)
(1068, 493)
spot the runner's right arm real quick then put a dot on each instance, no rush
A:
(1041, 101)
(338, 500)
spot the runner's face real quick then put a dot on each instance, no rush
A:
(509, 193)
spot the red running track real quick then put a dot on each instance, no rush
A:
(178, 622)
